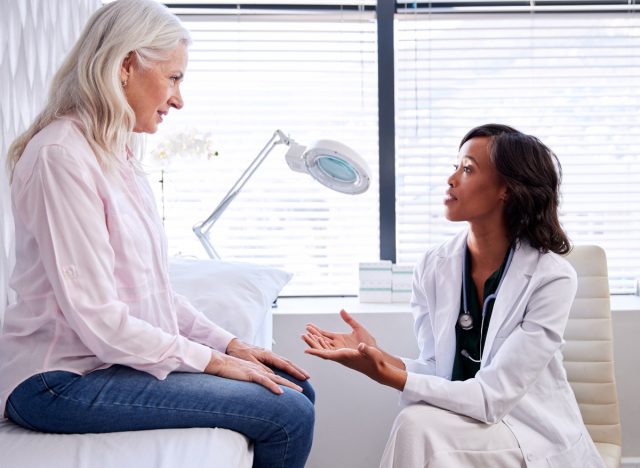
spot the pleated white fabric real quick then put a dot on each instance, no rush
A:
(36, 36)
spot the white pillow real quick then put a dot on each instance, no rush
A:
(235, 296)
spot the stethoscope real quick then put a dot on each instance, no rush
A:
(465, 321)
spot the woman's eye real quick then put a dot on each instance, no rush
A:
(466, 169)
(456, 166)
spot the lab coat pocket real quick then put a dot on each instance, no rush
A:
(578, 456)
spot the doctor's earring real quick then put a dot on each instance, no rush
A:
(123, 83)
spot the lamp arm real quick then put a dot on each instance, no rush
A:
(202, 229)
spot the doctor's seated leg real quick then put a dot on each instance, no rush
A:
(426, 436)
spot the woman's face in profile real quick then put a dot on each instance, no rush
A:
(152, 91)
(475, 193)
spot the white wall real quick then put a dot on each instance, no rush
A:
(354, 414)
(626, 333)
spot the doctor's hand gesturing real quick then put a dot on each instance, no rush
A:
(357, 350)
(331, 340)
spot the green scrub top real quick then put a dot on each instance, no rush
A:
(463, 367)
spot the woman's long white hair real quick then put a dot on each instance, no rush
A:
(88, 82)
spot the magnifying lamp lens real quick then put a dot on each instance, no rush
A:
(337, 169)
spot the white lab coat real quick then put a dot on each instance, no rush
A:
(521, 380)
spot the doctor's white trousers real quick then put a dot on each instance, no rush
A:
(425, 436)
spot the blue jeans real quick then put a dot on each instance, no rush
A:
(123, 399)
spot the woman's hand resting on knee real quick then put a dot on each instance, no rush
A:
(250, 363)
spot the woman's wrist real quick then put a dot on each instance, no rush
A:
(215, 363)
(232, 344)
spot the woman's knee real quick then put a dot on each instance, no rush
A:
(303, 408)
(308, 391)
(298, 413)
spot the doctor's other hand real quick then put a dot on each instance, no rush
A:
(366, 359)
(332, 340)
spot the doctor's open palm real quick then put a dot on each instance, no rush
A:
(330, 340)
(357, 350)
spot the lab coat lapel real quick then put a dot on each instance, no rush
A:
(447, 307)
(513, 287)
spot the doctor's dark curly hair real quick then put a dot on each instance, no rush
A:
(532, 173)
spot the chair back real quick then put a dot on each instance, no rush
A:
(588, 354)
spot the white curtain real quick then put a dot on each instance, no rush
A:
(35, 37)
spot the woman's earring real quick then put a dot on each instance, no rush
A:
(124, 83)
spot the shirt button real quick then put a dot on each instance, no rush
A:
(529, 456)
(70, 272)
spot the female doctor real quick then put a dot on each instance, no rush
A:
(491, 306)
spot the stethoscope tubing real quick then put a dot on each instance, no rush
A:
(466, 316)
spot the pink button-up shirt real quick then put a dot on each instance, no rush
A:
(91, 271)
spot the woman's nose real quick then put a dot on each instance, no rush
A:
(176, 100)
(452, 179)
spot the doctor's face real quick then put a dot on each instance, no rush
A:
(476, 193)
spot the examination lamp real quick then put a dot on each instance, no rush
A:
(329, 162)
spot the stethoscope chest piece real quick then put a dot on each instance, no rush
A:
(465, 321)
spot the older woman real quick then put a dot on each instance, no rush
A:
(491, 305)
(98, 341)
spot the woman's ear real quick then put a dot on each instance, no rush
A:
(504, 194)
(126, 68)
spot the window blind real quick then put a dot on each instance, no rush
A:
(313, 77)
(570, 79)
(511, 6)
(318, 4)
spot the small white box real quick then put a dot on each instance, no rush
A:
(375, 281)
(370, 293)
(401, 282)
(401, 277)
(403, 295)
(375, 272)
